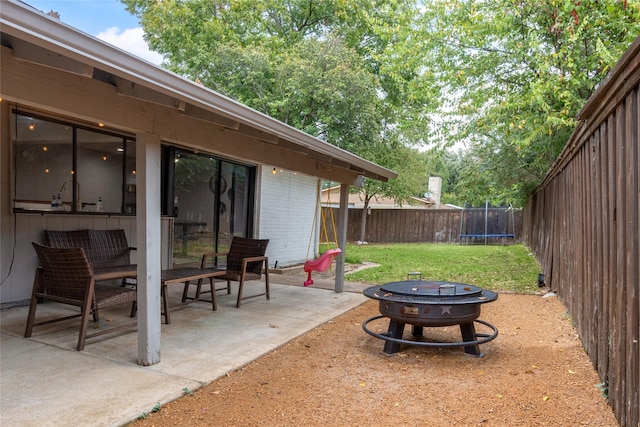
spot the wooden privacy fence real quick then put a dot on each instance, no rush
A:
(582, 223)
(424, 225)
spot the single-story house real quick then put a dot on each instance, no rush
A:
(92, 137)
(330, 197)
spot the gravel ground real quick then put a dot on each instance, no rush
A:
(535, 373)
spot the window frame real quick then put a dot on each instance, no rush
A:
(128, 141)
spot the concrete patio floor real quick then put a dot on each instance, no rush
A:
(44, 381)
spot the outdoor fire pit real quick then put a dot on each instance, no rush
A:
(423, 303)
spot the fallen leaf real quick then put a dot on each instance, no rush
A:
(499, 396)
(363, 385)
(571, 372)
(545, 398)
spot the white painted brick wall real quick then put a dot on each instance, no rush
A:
(287, 207)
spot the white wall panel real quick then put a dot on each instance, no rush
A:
(287, 207)
(20, 261)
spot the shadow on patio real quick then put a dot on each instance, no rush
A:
(45, 381)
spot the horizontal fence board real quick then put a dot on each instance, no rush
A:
(429, 225)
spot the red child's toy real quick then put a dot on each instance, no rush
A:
(322, 263)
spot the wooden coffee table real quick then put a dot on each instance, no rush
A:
(185, 275)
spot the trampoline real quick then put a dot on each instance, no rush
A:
(487, 223)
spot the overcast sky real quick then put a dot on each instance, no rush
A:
(105, 19)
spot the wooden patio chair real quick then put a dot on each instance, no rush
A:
(65, 276)
(244, 261)
(108, 251)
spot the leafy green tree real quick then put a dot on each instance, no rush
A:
(512, 76)
(412, 180)
(504, 78)
(345, 71)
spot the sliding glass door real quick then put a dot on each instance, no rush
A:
(212, 202)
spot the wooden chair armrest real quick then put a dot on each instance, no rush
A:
(205, 257)
(255, 258)
(247, 260)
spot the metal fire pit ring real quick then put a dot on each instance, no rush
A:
(425, 303)
(484, 338)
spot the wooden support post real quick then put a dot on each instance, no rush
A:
(148, 232)
(343, 214)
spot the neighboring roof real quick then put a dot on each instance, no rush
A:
(45, 40)
(331, 197)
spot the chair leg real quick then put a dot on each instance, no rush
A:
(86, 311)
(165, 303)
(214, 303)
(134, 309)
(84, 325)
(198, 289)
(95, 312)
(228, 287)
(33, 304)
(266, 280)
(185, 291)
(241, 285)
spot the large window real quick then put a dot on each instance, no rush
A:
(63, 167)
(212, 202)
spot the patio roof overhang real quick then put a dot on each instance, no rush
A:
(52, 66)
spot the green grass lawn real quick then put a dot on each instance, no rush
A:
(501, 268)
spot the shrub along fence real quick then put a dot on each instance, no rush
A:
(430, 225)
(582, 223)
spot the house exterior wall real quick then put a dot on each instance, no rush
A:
(284, 213)
(287, 209)
(19, 260)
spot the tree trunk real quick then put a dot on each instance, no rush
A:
(363, 218)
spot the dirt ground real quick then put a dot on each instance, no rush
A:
(535, 373)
